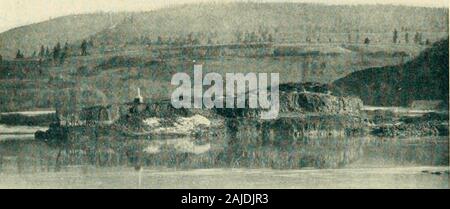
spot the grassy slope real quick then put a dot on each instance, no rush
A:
(69, 28)
(288, 22)
(424, 78)
(33, 89)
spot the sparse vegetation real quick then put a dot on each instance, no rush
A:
(112, 57)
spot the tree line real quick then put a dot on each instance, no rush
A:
(58, 53)
(418, 38)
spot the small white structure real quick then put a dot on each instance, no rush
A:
(139, 99)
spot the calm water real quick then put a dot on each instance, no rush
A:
(237, 161)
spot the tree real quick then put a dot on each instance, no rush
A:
(47, 52)
(42, 52)
(418, 38)
(190, 39)
(406, 37)
(56, 51)
(159, 41)
(270, 38)
(367, 41)
(64, 53)
(196, 41)
(19, 55)
(1, 58)
(395, 37)
(66, 48)
(84, 46)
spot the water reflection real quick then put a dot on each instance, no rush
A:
(244, 148)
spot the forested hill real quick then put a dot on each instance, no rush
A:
(224, 22)
(424, 78)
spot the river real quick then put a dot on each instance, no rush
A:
(354, 162)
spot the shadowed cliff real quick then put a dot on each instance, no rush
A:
(424, 78)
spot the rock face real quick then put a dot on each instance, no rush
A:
(431, 128)
(429, 124)
(302, 114)
(305, 102)
(180, 125)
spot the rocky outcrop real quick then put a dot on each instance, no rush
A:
(305, 102)
(429, 124)
(431, 128)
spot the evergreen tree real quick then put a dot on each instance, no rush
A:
(42, 52)
(64, 53)
(395, 37)
(19, 55)
(84, 46)
(47, 52)
(416, 38)
(56, 51)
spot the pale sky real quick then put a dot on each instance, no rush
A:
(14, 13)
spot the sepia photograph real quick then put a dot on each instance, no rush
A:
(232, 94)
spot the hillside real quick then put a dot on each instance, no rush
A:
(287, 22)
(63, 29)
(424, 78)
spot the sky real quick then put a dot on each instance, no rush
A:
(14, 13)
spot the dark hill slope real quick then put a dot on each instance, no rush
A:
(424, 78)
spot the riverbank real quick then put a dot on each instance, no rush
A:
(28, 118)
